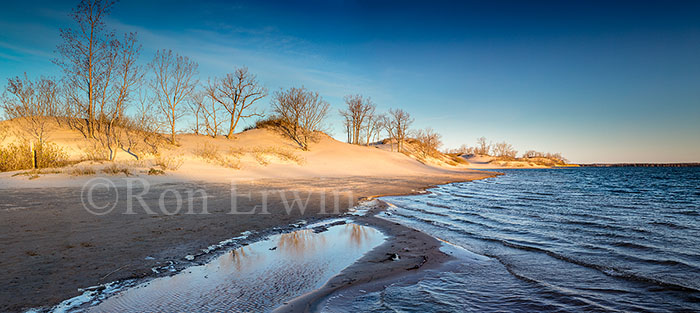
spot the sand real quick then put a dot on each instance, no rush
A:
(258, 154)
(52, 245)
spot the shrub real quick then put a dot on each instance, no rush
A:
(50, 155)
(19, 156)
(4, 132)
(155, 171)
(15, 157)
(271, 122)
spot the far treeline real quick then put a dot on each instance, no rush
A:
(504, 151)
(641, 165)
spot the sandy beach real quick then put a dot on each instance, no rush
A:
(52, 248)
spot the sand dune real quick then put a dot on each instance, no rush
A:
(253, 154)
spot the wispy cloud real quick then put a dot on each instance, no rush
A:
(278, 60)
(25, 51)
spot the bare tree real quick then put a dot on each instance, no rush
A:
(483, 147)
(347, 122)
(375, 125)
(129, 73)
(463, 149)
(301, 112)
(174, 80)
(208, 113)
(85, 55)
(122, 79)
(532, 154)
(397, 124)
(146, 125)
(31, 104)
(237, 93)
(195, 105)
(556, 156)
(552, 156)
(504, 150)
(429, 141)
(356, 116)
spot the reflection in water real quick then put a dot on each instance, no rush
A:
(299, 243)
(358, 233)
(258, 277)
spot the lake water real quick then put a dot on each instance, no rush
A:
(585, 239)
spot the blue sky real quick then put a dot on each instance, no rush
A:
(597, 81)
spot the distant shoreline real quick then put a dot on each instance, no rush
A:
(640, 165)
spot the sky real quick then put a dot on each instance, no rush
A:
(598, 81)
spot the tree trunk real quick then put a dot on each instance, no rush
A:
(232, 125)
(32, 151)
(196, 123)
(172, 125)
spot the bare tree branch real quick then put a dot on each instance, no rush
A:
(236, 93)
(301, 112)
(174, 80)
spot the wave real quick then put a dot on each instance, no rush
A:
(632, 245)
(607, 270)
(610, 270)
(636, 235)
(668, 224)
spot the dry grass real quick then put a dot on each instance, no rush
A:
(169, 163)
(211, 153)
(207, 151)
(83, 171)
(116, 169)
(230, 161)
(261, 154)
(458, 159)
(35, 173)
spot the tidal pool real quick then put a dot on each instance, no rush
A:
(255, 278)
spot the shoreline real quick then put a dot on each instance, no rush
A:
(376, 267)
(70, 268)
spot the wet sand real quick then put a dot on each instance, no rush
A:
(52, 246)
